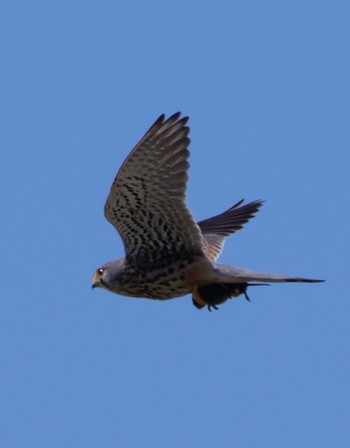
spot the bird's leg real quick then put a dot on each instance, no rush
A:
(212, 306)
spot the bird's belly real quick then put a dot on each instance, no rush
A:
(160, 290)
(168, 282)
(160, 284)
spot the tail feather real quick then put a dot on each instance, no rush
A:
(228, 282)
(230, 274)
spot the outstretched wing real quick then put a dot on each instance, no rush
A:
(215, 229)
(146, 203)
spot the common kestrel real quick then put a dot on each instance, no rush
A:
(168, 254)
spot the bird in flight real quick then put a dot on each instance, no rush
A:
(167, 253)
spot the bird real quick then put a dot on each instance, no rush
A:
(167, 253)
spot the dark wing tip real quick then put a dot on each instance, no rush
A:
(176, 118)
(257, 204)
(162, 123)
(232, 219)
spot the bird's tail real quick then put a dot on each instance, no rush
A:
(232, 282)
(229, 274)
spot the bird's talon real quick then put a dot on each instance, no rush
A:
(212, 306)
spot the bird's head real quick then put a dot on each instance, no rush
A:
(109, 276)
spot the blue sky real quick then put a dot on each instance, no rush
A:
(266, 85)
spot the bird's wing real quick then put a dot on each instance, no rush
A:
(215, 229)
(146, 203)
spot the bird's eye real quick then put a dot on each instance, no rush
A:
(100, 271)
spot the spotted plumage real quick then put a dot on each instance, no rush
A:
(167, 253)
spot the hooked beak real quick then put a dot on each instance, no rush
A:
(95, 282)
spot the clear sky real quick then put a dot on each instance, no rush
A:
(267, 89)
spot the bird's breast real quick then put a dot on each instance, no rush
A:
(175, 279)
